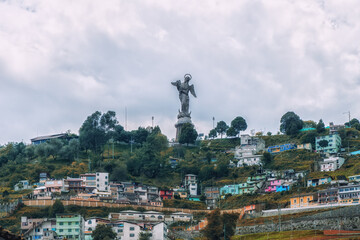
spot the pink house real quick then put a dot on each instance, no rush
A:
(54, 186)
(273, 184)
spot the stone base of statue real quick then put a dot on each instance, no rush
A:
(181, 121)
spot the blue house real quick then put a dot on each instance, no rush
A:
(282, 188)
(281, 148)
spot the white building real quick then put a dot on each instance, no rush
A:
(102, 182)
(45, 229)
(159, 231)
(131, 231)
(191, 184)
(131, 215)
(331, 164)
(246, 155)
(179, 216)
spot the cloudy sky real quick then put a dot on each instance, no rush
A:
(62, 60)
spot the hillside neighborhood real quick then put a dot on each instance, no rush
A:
(315, 190)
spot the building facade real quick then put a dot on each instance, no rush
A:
(333, 143)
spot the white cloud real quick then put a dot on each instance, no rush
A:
(62, 60)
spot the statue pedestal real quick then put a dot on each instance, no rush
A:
(181, 121)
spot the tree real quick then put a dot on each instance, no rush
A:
(269, 133)
(231, 132)
(188, 134)
(144, 236)
(220, 226)
(140, 135)
(309, 137)
(267, 158)
(309, 124)
(290, 123)
(320, 127)
(213, 231)
(97, 129)
(56, 208)
(229, 224)
(239, 124)
(103, 231)
(213, 133)
(323, 143)
(221, 128)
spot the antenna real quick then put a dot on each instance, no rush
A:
(348, 112)
(152, 122)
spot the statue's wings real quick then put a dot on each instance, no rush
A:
(192, 90)
(177, 84)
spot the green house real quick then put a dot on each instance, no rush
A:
(70, 226)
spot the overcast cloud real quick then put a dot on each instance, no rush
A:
(60, 61)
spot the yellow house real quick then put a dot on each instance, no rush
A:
(303, 200)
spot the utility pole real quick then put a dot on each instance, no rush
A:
(348, 112)
(213, 122)
(152, 122)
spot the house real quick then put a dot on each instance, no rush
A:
(306, 146)
(166, 194)
(334, 129)
(246, 139)
(45, 230)
(354, 178)
(180, 216)
(74, 184)
(331, 164)
(282, 188)
(328, 196)
(181, 193)
(21, 185)
(249, 160)
(333, 143)
(130, 215)
(43, 139)
(212, 195)
(273, 184)
(70, 226)
(253, 208)
(55, 186)
(89, 181)
(29, 223)
(102, 182)
(191, 184)
(230, 189)
(349, 194)
(318, 181)
(281, 148)
(303, 200)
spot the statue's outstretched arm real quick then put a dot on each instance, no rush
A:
(192, 90)
(177, 84)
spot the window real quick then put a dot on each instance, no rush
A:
(132, 228)
(69, 223)
(61, 223)
(294, 200)
(120, 230)
(61, 230)
(69, 230)
(132, 235)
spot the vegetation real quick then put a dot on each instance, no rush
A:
(290, 123)
(220, 226)
(103, 232)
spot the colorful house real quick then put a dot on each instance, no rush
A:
(273, 184)
(70, 226)
(318, 181)
(333, 146)
(166, 194)
(281, 148)
(303, 200)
